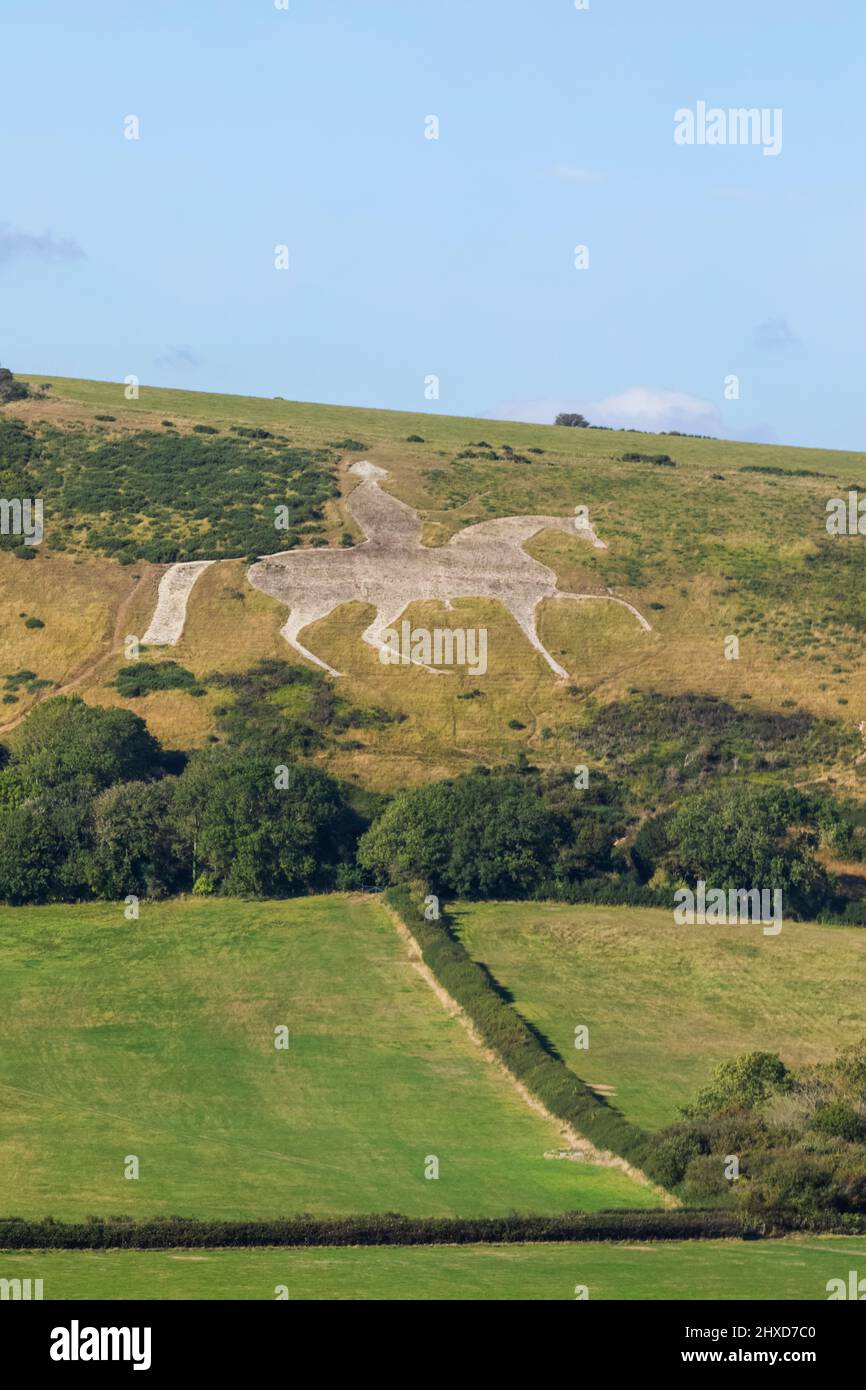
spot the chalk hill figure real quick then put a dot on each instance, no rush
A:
(392, 569)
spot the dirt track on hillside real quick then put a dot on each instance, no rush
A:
(84, 675)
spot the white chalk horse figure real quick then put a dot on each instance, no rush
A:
(392, 569)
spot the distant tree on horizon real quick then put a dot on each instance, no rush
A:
(10, 389)
(575, 421)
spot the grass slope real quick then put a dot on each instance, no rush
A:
(730, 541)
(665, 1003)
(795, 1268)
(156, 1039)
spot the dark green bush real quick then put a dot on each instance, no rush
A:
(496, 834)
(839, 1121)
(143, 677)
(660, 460)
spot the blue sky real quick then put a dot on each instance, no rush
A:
(454, 257)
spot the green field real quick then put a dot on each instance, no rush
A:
(156, 1039)
(795, 1268)
(665, 1003)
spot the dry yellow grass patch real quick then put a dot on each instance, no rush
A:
(229, 627)
(76, 598)
(229, 624)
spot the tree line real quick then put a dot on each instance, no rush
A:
(91, 806)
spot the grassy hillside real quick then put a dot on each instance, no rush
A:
(795, 1268)
(730, 540)
(156, 1039)
(665, 1003)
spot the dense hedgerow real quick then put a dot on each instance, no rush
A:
(174, 1232)
(528, 1056)
(777, 471)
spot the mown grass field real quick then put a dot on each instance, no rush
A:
(155, 1038)
(796, 1268)
(665, 1003)
(706, 549)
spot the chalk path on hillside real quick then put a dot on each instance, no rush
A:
(392, 569)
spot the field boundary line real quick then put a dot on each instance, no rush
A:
(576, 1142)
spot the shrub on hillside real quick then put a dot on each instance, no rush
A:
(10, 389)
(493, 834)
(742, 1082)
(135, 844)
(660, 460)
(144, 677)
(799, 1137)
(65, 743)
(261, 829)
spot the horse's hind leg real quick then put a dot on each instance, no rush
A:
(300, 617)
(373, 635)
(524, 611)
(609, 598)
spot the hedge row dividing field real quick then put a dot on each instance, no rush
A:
(523, 1051)
(117, 1233)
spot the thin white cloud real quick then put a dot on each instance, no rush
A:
(178, 357)
(636, 408)
(774, 334)
(641, 408)
(17, 245)
(570, 174)
(743, 195)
